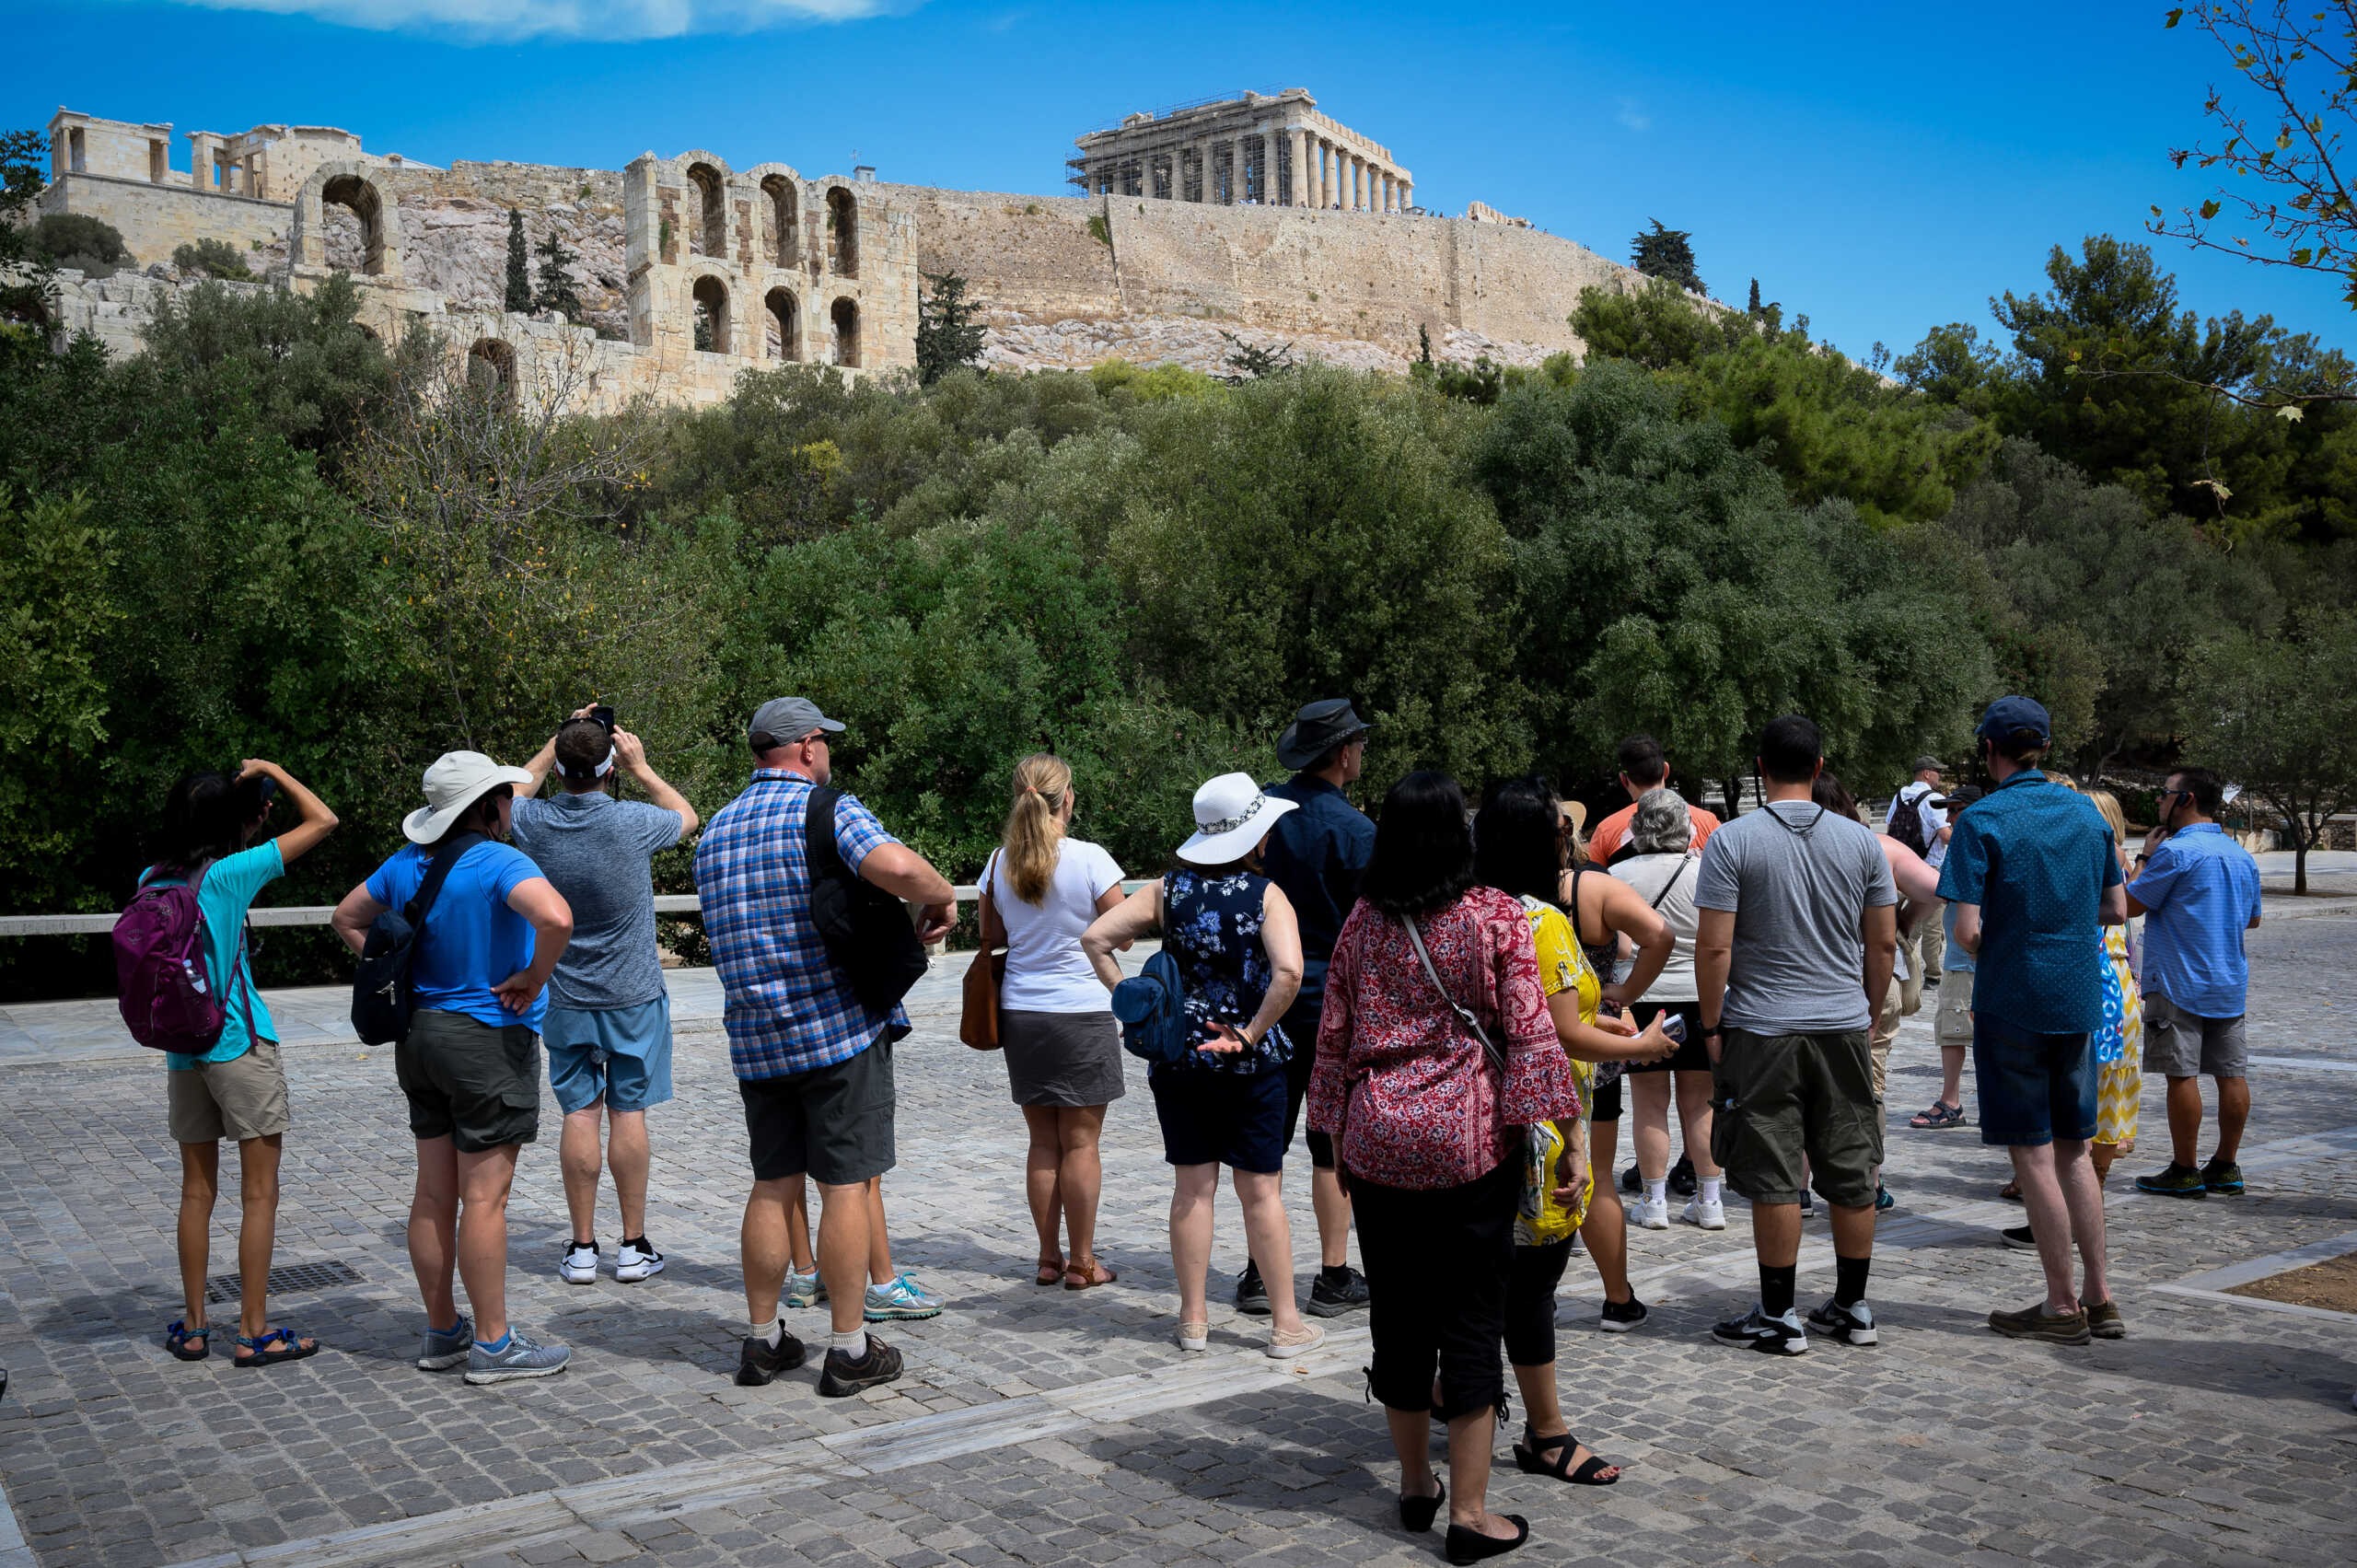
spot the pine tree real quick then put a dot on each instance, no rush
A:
(1423, 345)
(948, 335)
(1667, 254)
(556, 290)
(519, 277)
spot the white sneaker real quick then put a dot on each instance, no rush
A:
(1650, 1214)
(632, 1263)
(580, 1265)
(1710, 1216)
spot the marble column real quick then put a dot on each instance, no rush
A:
(1407, 194)
(1298, 194)
(1391, 194)
(1203, 172)
(1358, 183)
(1317, 181)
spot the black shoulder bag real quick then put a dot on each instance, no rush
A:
(382, 998)
(866, 930)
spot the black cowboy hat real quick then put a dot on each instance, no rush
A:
(1318, 729)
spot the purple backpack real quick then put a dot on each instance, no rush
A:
(167, 999)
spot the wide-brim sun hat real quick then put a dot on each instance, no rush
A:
(1232, 814)
(456, 781)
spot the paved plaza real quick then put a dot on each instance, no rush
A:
(1037, 1426)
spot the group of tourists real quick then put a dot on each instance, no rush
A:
(1450, 996)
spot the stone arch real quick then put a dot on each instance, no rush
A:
(357, 187)
(844, 316)
(783, 328)
(490, 366)
(843, 232)
(707, 210)
(708, 313)
(784, 216)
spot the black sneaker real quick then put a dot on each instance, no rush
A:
(1251, 1296)
(842, 1375)
(1853, 1324)
(1620, 1316)
(759, 1361)
(1631, 1181)
(1332, 1300)
(1808, 1204)
(1681, 1177)
(2175, 1181)
(1755, 1329)
(2019, 1239)
(2224, 1176)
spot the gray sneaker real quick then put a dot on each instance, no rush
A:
(442, 1352)
(520, 1358)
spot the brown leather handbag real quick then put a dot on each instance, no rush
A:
(978, 1017)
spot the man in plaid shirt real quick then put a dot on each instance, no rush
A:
(813, 1062)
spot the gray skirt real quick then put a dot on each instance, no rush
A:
(1061, 1058)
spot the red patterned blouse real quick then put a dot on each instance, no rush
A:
(1407, 1091)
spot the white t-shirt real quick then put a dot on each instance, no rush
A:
(1918, 795)
(1650, 875)
(1046, 971)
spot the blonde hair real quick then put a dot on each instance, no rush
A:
(1034, 839)
(2108, 804)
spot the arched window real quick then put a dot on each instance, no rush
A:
(350, 190)
(785, 232)
(708, 214)
(711, 323)
(843, 233)
(846, 319)
(490, 369)
(783, 329)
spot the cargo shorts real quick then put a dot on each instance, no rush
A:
(1777, 1097)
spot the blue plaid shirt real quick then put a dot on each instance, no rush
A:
(789, 1009)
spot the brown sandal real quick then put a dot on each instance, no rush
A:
(1049, 1271)
(1086, 1274)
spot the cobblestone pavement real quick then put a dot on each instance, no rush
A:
(1037, 1426)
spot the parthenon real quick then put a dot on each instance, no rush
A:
(1252, 150)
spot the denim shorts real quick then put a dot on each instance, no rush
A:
(619, 1054)
(2034, 1088)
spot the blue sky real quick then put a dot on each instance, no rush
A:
(1882, 168)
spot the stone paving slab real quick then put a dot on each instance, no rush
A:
(1041, 1426)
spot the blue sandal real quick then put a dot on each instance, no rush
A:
(178, 1334)
(274, 1346)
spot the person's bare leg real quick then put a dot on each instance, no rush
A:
(2050, 1219)
(1331, 1204)
(879, 1239)
(797, 1226)
(484, 1181)
(257, 1230)
(434, 1229)
(1694, 1122)
(846, 1230)
(630, 1158)
(762, 1245)
(1080, 1176)
(2234, 1112)
(1776, 1234)
(2101, 1155)
(1269, 1234)
(1042, 1163)
(2185, 1122)
(1412, 1440)
(582, 1161)
(200, 1188)
(1952, 1076)
(1649, 1107)
(1471, 1438)
(1606, 1228)
(1543, 1411)
(1191, 1236)
(2081, 1193)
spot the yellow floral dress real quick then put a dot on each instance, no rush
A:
(1561, 967)
(2119, 1049)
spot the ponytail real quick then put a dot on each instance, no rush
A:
(1035, 828)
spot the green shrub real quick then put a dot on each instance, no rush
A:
(214, 258)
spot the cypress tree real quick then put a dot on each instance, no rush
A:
(519, 272)
(556, 291)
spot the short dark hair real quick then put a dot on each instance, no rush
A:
(1791, 747)
(1518, 839)
(2209, 791)
(581, 745)
(1423, 849)
(1830, 793)
(200, 821)
(1644, 761)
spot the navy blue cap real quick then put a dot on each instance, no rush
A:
(2007, 714)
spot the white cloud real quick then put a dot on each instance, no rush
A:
(598, 20)
(1631, 118)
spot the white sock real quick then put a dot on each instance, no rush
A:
(1711, 1188)
(853, 1344)
(1655, 1191)
(770, 1333)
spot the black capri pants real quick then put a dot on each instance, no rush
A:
(1530, 1302)
(1436, 1266)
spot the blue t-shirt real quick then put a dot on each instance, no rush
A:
(2037, 858)
(2202, 889)
(472, 940)
(1955, 959)
(228, 892)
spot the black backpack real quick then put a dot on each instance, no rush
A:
(866, 930)
(1906, 821)
(382, 999)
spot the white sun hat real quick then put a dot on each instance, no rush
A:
(456, 781)
(1231, 815)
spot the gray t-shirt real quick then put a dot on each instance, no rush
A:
(1799, 881)
(593, 849)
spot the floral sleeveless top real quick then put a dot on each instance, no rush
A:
(1211, 926)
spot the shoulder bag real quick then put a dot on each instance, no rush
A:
(866, 931)
(978, 1015)
(383, 991)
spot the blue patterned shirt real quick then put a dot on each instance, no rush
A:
(789, 1009)
(2037, 858)
(1214, 930)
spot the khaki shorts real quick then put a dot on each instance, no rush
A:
(236, 1100)
(1953, 1023)
(1776, 1097)
(1901, 999)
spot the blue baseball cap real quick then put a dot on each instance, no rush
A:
(2007, 714)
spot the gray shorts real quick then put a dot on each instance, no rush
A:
(2179, 1044)
(832, 1123)
(240, 1099)
(477, 1085)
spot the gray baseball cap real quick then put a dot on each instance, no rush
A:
(785, 720)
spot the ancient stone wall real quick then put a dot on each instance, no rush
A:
(154, 220)
(1031, 259)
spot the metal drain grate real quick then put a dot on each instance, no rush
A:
(286, 1280)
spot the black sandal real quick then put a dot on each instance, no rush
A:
(176, 1338)
(1527, 1461)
